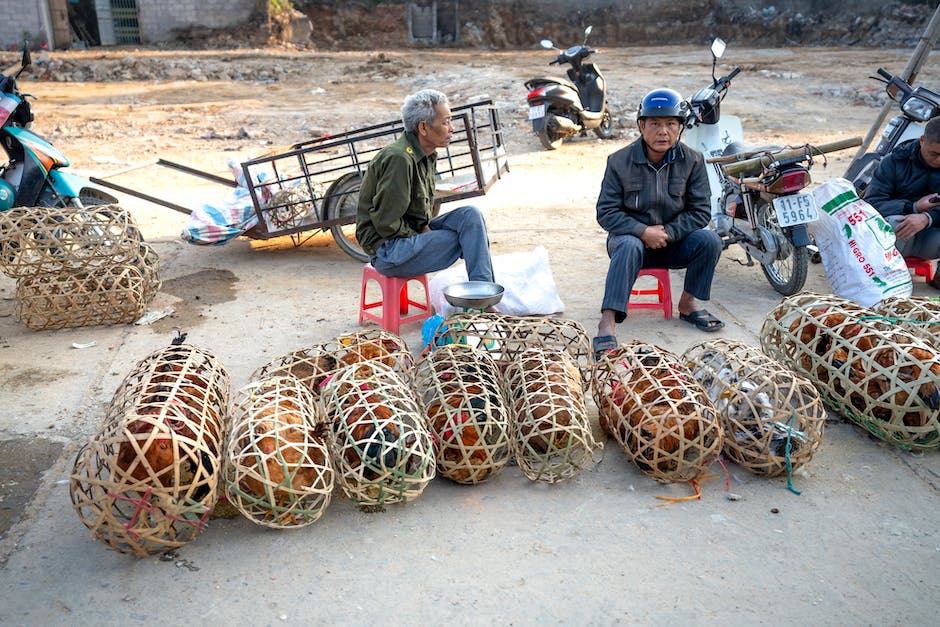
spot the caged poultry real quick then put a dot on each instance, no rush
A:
(382, 450)
(459, 390)
(552, 438)
(278, 470)
(877, 374)
(147, 481)
(661, 417)
(773, 419)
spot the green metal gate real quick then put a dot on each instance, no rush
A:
(124, 16)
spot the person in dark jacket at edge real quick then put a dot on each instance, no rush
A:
(395, 223)
(655, 203)
(905, 189)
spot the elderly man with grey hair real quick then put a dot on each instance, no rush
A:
(395, 224)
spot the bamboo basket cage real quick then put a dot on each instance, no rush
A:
(110, 294)
(661, 417)
(148, 481)
(552, 439)
(772, 418)
(40, 240)
(278, 470)
(878, 375)
(383, 453)
(316, 364)
(504, 336)
(460, 392)
(920, 316)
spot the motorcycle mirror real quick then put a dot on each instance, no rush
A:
(718, 47)
(587, 31)
(547, 44)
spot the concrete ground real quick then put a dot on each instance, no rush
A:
(858, 545)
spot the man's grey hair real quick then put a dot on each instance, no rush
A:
(419, 107)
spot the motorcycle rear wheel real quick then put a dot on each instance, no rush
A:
(787, 273)
(549, 135)
(343, 199)
(606, 129)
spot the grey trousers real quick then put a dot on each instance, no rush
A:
(454, 234)
(925, 244)
(698, 252)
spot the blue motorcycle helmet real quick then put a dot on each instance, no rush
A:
(662, 103)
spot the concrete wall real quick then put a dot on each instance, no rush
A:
(159, 18)
(19, 16)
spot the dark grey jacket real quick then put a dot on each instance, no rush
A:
(901, 179)
(634, 195)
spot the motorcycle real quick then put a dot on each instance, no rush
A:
(763, 200)
(33, 173)
(559, 108)
(762, 208)
(918, 106)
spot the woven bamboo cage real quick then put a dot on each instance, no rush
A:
(110, 294)
(552, 438)
(773, 419)
(314, 365)
(147, 482)
(920, 316)
(38, 240)
(278, 471)
(878, 375)
(382, 451)
(290, 206)
(459, 389)
(504, 337)
(148, 262)
(661, 417)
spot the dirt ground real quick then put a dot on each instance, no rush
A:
(596, 551)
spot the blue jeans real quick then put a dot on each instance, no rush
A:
(925, 244)
(698, 252)
(454, 234)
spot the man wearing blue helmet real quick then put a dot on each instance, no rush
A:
(654, 204)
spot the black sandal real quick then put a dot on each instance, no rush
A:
(602, 344)
(702, 320)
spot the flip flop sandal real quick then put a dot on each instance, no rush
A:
(702, 320)
(603, 343)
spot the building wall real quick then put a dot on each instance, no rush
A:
(19, 16)
(159, 18)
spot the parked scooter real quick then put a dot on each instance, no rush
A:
(763, 198)
(33, 173)
(757, 204)
(918, 106)
(560, 108)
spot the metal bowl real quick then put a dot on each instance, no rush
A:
(473, 294)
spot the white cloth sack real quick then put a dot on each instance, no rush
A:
(526, 278)
(857, 246)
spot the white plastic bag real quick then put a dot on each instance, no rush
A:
(526, 278)
(857, 246)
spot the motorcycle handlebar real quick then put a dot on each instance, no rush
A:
(731, 164)
(734, 73)
(884, 73)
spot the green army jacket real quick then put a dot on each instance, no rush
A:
(397, 194)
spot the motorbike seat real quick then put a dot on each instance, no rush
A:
(539, 81)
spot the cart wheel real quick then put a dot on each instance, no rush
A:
(342, 200)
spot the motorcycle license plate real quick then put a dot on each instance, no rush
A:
(538, 111)
(795, 209)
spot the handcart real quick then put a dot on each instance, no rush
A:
(314, 185)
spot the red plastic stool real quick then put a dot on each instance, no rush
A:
(922, 267)
(393, 299)
(663, 292)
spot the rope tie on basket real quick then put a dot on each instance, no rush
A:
(142, 504)
(698, 488)
(790, 432)
(895, 320)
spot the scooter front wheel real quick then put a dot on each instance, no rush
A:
(787, 273)
(549, 134)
